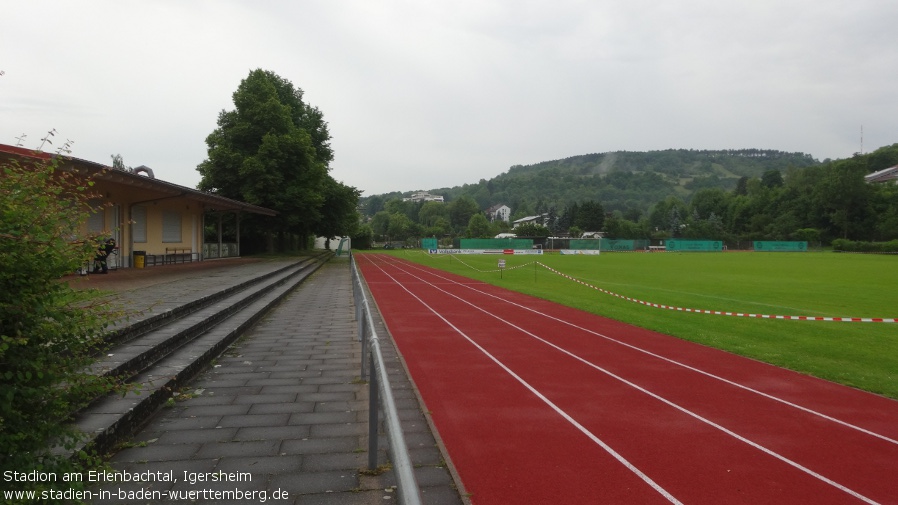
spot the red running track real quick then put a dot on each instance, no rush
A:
(538, 403)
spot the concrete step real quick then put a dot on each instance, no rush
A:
(136, 325)
(134, 355)
(162, 360)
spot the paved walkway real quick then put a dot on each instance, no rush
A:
(283, 411)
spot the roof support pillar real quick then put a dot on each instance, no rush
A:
(220, 214)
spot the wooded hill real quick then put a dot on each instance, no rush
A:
(734, 196)
(629, 182)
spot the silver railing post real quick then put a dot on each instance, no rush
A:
(380, 393)
(372, 418)
(363, 336)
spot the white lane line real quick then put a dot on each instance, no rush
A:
(539, 395)
(670, 403)
(675, 362)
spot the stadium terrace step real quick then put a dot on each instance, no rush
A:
(135, 325)
(159, 353)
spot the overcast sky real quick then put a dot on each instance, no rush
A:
(430, 94)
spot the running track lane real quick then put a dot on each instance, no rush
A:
(540, 403)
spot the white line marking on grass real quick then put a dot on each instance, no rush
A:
(645, 478)
(670, 403)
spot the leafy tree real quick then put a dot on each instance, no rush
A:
(674, 221)
(772, 179)
(532, 230)
(709, 201)
(885, 203)
(461, 210)
(568, 217)
(809, 235)
(339, 216)
(843, 196)
(47, 332)
(666, 216)
(478, 227)
(401, 227)
(118, 162)
(272, 150)
(590, 216)
(374, 205)
(437, 231)
(434, 220)
(520, 210)
(633, 213)
(399, 206)
(741, 186)
(614, 227)
(620, 228)
(709, 229)
(883, 157)
(500, 226)
(380, 224)
(432, 212)
(363, 238)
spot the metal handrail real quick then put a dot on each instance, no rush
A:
(379, 385)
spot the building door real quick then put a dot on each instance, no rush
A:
(115, 259)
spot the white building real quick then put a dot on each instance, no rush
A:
(499, 211)
(885, 175)
(540, 220)
(423, 196)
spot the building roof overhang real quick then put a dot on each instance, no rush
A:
(159, 189)
(884, 175)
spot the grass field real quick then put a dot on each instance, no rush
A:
(862, 355)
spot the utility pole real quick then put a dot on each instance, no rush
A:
(862, 140)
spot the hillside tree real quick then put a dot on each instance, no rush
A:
(460, 212)
(380, 224)
(478, 227)
(590, 216)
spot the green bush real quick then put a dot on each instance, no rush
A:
(363, 237)
(48, 332)
(857, 246)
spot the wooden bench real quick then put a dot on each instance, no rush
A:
(174, 254)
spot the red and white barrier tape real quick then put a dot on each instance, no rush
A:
(723, 313)
(491, 271)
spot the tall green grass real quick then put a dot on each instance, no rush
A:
(862, 355)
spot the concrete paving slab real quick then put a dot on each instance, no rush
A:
(285, 405)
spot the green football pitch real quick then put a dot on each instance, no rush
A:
(858, 354)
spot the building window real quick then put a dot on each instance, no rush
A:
(139, 226)
(96, 222)
(171, 226)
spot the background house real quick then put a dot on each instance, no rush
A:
(498, 211)
(164, 221)
(885, 175)
(423, 196)
(540, 220)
